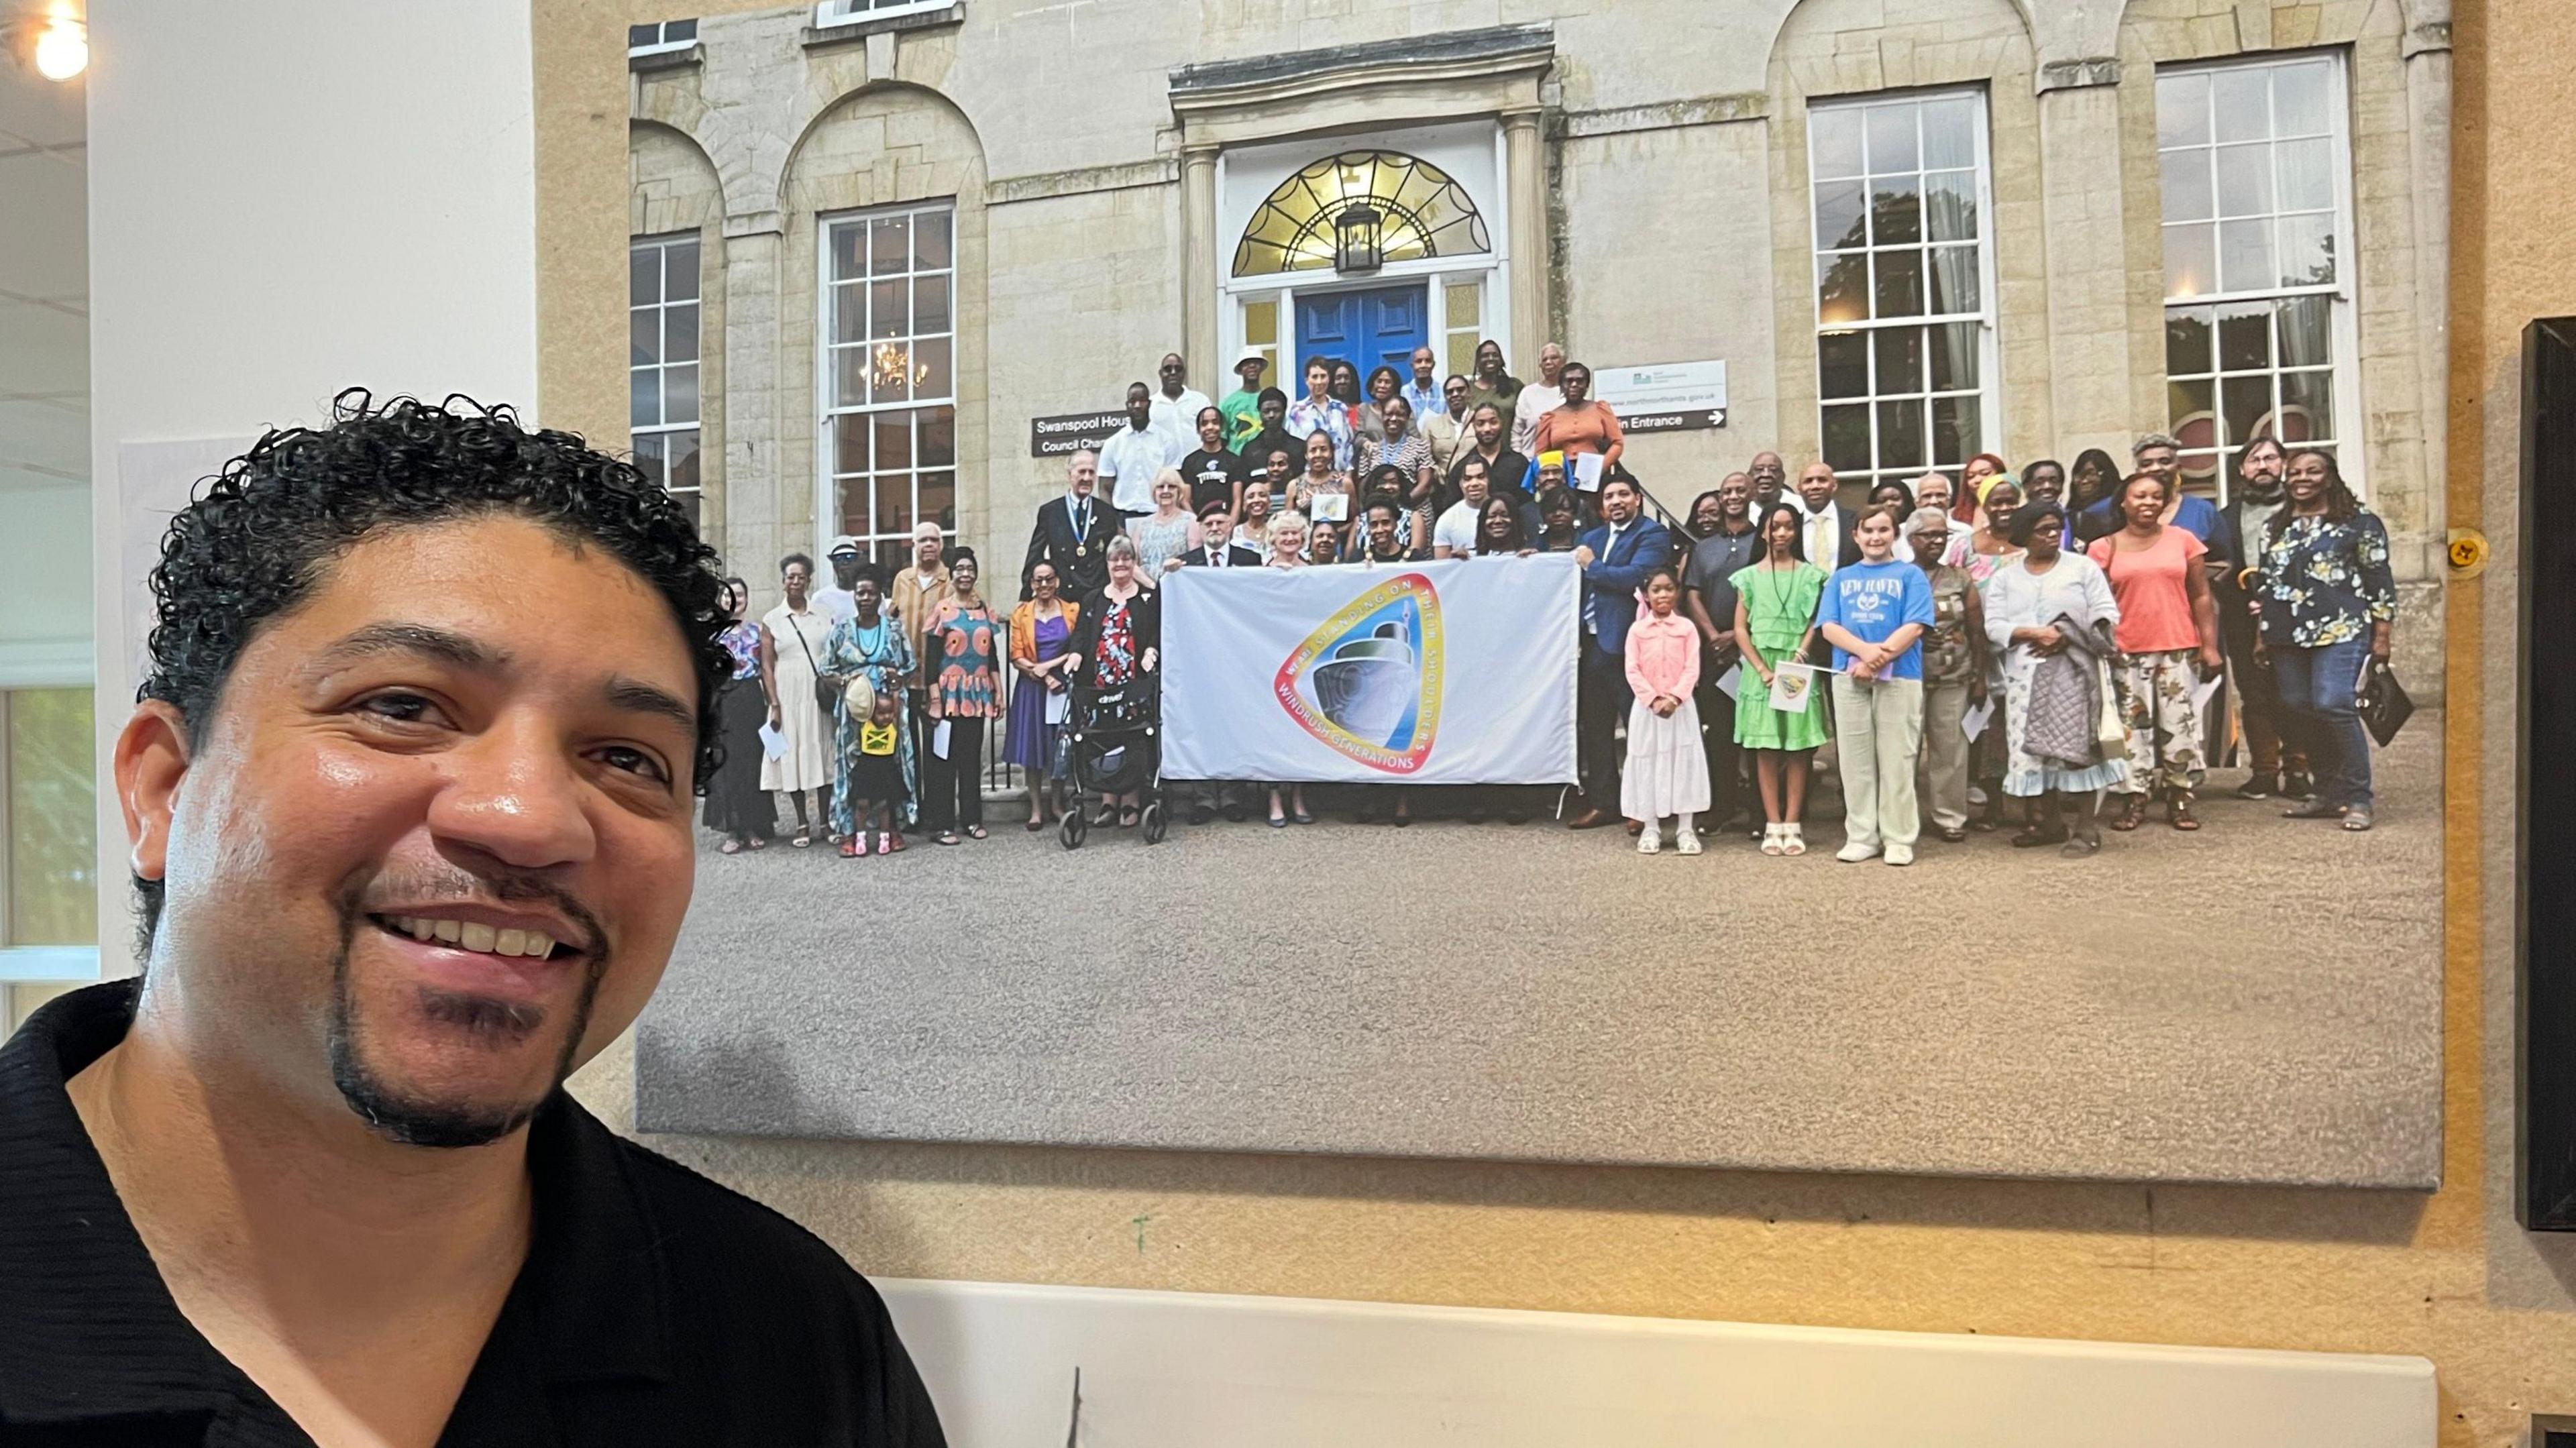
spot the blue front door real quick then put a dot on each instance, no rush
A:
(1382, 324)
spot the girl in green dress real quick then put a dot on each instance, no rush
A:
(1775, 621)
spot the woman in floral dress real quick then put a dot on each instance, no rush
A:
(965, 693)
(869, 645)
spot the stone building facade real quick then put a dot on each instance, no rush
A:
(875, 239)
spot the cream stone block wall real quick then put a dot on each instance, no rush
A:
(1658, 271)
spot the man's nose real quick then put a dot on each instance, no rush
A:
(516, 794)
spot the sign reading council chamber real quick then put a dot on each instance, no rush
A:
(1665, 396)
(1055, 437)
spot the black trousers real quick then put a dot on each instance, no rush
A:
(1600, 700)
(1717, 735)
(952, 789)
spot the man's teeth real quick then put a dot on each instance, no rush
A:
(470, 935)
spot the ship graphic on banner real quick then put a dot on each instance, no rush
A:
(1367, 683)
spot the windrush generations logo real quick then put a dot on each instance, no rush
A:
(1367, 683)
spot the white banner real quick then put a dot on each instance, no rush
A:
(1453, 672)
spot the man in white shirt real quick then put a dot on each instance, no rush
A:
(1175, 409)
(1135, 453)
(1538, 398)
(1454, 536)
(836, 603)
(1825, 527)
(1424, 391)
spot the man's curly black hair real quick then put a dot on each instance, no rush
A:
(260, 535)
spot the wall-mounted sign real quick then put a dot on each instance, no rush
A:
(1055, 437)
(1666, 396)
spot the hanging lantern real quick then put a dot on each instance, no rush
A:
(1358, 238)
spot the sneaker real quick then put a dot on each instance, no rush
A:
(1686, 842)
(2298, 784)
(1899, 855)
(1855, 852)
(2261, 786)
(1650, 842)
(1772, 838)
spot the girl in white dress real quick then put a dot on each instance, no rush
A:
(793, 636)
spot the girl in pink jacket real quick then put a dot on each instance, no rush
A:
(1667, 771)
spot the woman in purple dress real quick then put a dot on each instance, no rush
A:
(1040, 630)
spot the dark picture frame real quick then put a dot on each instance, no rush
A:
(2545, 903)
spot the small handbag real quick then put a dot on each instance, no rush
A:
(2382, 701)
(2110, 731)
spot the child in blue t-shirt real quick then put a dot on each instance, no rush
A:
(1874, 612)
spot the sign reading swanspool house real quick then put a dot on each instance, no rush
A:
(1069, 433)
(1459, 671)
(1666, 396)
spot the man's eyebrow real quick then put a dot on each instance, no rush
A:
(418, 639)
(637, 697)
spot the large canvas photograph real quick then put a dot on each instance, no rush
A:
(1408, 588)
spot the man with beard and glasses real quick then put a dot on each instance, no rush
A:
(410, 849)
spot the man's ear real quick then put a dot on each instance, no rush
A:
(151, 761)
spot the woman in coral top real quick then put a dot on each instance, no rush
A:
(965, 694)
(2168, 638)
(1582, 425)
(1667, 771)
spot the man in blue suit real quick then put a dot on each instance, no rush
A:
(1615, 557)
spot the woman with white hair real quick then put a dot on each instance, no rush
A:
(1163, 535)
(1288, 551)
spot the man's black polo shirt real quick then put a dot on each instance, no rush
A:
(655, 1306)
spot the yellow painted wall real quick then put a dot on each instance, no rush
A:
(2446, 1276)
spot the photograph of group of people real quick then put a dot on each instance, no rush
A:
(2041, 652)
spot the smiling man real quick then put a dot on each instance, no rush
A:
(409, 796)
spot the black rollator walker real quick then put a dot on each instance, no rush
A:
(1114, 746)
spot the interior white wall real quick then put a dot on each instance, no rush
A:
(286, 198)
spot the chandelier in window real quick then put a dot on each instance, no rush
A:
(1358, 211)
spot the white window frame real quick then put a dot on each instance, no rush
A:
(827, 410)
(661, 245)
(2343, 294)
(663, 43)
(1488, 270)
(1989, 390)
(834, 13)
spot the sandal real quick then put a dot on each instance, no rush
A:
(1127, 818)
(1105, 819)
(2081, 847)
(2314, 810)
(944, 837)
(2356, 819)
(854, 847)
(890, 842)
(804, 840)
(731, 846)
(2178, 811)
(758, 842)
(1033, 826)
(2133, 810)
(975, 832)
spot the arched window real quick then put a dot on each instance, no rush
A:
(1415, 210)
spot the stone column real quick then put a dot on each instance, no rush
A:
(2091, 397)
(1525, 184)
(760, 505)
(1199, 299)
(2428, 130)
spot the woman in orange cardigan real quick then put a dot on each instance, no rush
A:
(1667, 771)
(1582, 425)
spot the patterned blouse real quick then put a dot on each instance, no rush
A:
(2325, 582)
(1118, 655)
(1411, 455)
(968, 685)
(742, 641)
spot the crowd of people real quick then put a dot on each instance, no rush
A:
(2040, 649)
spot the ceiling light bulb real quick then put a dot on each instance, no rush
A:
(62, 50)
